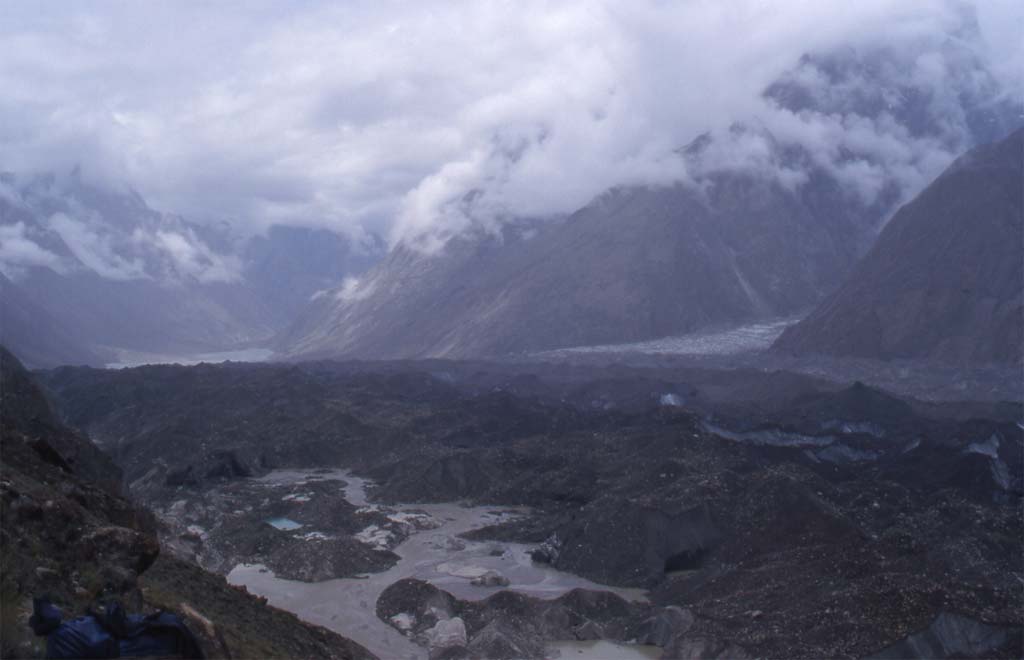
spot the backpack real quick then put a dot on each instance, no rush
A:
(108, 631)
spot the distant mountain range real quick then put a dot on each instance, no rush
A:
(636, 263)
(747, 239)
(89, 273)
(945, 279)
(770, 220)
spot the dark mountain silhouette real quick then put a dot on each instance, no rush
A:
(945, 278)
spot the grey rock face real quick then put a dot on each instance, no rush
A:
(38, 337)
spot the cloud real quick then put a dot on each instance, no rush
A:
(18, 252)
(418, 120)
(352, 289)
(192, 258)
(96, 249)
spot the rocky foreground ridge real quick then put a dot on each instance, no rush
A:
(68, 531)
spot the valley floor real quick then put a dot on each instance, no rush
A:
(706, 512)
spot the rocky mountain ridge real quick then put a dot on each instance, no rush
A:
(945, 279)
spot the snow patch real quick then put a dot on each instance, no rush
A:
(669, 399)
(376, 537)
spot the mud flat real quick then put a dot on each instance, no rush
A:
(435, 555)
(603, 650)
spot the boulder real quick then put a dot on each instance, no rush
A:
(490, 579)
(953, 636)
(446, 635)
(498, 641)
(548, 551)
(668, 623)
(588, 631)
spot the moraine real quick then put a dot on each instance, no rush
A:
(435, 555)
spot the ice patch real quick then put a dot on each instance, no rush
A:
(740, 339)
(1000, 473)
(298, 497)
(988, 448)
(314, 536)
(770, 437)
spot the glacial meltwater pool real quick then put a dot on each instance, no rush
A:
(438, 556)
(286, 524)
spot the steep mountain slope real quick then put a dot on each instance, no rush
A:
(945, 279)
(636, 263)
(69, 533)
(42, 339)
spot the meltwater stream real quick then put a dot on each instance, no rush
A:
(348, 605)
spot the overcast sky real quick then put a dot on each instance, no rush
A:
(376, 115)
